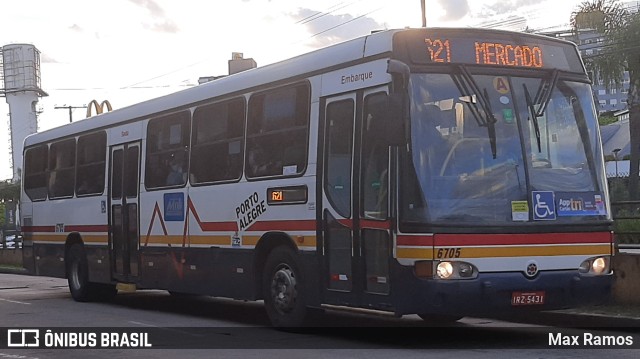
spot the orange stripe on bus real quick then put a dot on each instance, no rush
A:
(61, 238)
(529, 251)
(519, 251)
(418, 253)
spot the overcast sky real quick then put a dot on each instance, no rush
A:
(127, 51)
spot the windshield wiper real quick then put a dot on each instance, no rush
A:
(482, 97)
(543, 97)
(533, 116)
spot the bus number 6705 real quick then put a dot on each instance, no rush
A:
(448, 253)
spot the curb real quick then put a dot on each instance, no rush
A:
(575, 319)
(14, 270)
(581, 319)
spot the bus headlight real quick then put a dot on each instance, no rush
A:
(595, 266)
(456, 270)
(444, 270)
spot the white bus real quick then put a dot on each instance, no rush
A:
(438, 172)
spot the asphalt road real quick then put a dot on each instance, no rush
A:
(228, 328)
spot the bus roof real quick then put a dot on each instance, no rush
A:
(335, 56)
(345, 52)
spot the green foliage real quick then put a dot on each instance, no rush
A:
(627, 231)
(626, 215)
(605, 120)
(9, 191)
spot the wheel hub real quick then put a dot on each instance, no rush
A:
(283, 290)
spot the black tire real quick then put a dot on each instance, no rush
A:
(440, 319)
(78, 273)
(283, 289)
(78, 278)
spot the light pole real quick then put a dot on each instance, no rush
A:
(615, 157)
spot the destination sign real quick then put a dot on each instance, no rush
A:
(287, 195)
(490, 53)
(487, 48)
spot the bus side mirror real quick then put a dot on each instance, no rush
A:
(386, 121)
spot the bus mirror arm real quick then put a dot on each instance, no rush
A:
(399, 69)
(386, 121)
(398, 121)
(395, 130)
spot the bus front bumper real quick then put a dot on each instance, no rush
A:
(501, 293)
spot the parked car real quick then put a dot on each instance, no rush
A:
(13, 242)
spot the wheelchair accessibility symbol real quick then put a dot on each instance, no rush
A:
(544, 207)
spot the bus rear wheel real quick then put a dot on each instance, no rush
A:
(283, 289)
(78, 278)
(78, 273)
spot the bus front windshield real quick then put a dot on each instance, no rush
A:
(501, 150)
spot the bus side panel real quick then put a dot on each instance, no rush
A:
(153, 268)
(98, 263)
(211, 271)
(49, 260)
(26, 221)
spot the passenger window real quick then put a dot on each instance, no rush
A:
(62, 166)
(218, 142)
(374, 163)
(35, 172)
(340, 116)
(167, 151)
(277, 134)
(91, 164)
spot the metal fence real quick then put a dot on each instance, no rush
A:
(626, 214)
(10, 240)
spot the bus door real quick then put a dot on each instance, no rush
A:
(355, 214)
(123, 210)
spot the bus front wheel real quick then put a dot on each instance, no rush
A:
(283, 289)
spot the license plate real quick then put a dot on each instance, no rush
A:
(527, 298)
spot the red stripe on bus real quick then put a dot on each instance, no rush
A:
(302, 225)
(87, 228)
(218, 226)
(520, 238)
(33, 229)
(414, 240)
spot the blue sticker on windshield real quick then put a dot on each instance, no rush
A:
(580, 204)
(544, 207)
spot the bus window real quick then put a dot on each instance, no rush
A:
(375, 165)
(217, 142)
(167, 151)
(35, 172)
(62, 165)
(91, 164)
(277, 134)
(340, 116)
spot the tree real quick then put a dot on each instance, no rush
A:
(621, 53)
(9, 191)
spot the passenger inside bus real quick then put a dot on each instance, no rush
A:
(176, 175)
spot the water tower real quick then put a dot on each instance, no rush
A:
(20, 84)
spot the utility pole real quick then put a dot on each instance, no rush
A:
(424, 13)
(70, 110)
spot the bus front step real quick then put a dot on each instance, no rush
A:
(126, 287)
